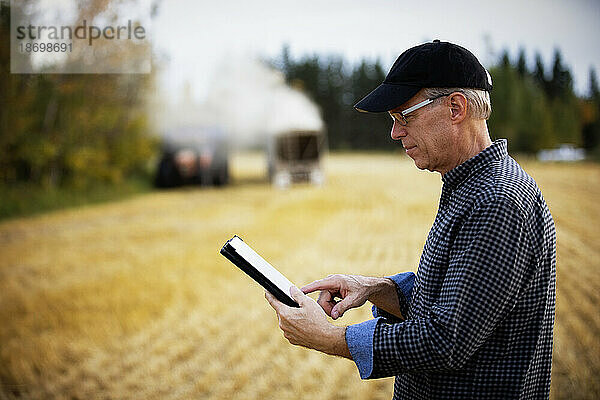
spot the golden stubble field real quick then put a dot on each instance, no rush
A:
(131, 300)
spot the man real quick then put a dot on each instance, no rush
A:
(476, 320)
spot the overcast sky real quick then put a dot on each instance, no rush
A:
(197, 36)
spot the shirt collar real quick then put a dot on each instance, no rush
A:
(497, 151)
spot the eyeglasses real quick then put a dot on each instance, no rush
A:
(400, 116)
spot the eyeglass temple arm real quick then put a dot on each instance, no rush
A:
(416, 106)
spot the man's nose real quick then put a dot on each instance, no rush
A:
(398, 131)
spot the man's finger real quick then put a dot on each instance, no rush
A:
(321, 284)
(340, 308)
(326, 301)
(297, 295)
(276, 304)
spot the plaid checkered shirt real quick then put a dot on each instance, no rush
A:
(480, 310)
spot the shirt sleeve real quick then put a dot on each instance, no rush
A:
(486, 270)
(359, 337)
(404, 284)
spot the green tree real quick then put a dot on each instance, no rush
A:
(519, 110)
(539, 73)
(591, 116)
(561, 83)
(369, 131)
(522, 63)
(564, 104)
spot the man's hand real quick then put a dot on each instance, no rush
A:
(307, 326)
(349, 288)
(353, 291)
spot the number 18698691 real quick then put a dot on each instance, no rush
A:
(43, 47)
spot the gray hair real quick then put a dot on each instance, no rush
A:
(479, 103)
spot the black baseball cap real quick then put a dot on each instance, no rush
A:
(435, 64)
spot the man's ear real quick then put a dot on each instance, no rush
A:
(458, 107)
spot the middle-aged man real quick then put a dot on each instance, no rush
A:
(476, 320)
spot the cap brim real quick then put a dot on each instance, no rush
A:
(386, 97)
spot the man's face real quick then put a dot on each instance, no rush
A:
(428, 138)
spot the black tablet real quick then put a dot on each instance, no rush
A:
(246, 259)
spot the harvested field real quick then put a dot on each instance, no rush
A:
(131, 300)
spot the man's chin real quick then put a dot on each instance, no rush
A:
(419, 163)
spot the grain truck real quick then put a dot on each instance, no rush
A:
(296, 156)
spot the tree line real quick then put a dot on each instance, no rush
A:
(532, 107)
